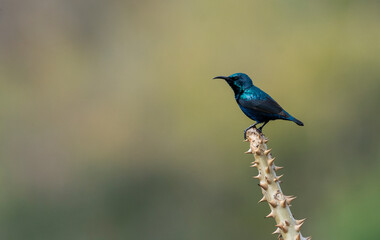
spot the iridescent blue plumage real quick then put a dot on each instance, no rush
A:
(254, 102)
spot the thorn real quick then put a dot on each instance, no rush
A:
(260, 141)
(246, 140)
(308, 238)
(278, 178)
(262, 200)
(264, 185)
(265, 140)
(267, 169)
(257, 162)
(289, 199)
(249, 151)
(268, 180)
(283, 204)
(276, 168)
(254, 165)
(298, 237)
(278, 231)
(298, 227)
(270, 215)
(266, 152)
(300, 221)
(258, 152)
(257, 177)
(287, 223)
(283, 227)
(280, 225)
(270, 161)
(273, 203)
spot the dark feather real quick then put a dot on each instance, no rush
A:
(267, 106)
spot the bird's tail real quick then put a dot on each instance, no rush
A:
(298, 122)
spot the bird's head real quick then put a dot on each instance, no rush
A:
(237, 81)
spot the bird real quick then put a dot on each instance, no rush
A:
(255, 103)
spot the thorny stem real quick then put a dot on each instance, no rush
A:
(288, 228)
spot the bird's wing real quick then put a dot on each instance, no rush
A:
(266, 104)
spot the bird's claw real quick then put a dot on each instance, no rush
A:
(245, 131)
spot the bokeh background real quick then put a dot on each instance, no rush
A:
(111, 127)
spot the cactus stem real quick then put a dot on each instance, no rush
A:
(287, 227)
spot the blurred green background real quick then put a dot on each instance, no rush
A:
(111, 127)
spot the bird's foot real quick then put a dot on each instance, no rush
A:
(245, 131)
(261, 128)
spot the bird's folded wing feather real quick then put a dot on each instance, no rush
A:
(267, 105)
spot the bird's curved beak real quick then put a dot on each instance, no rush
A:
(221, 77)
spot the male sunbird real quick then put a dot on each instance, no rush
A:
(254, 102)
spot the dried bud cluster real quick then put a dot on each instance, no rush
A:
(288, 228)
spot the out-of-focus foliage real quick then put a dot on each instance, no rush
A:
(111, 127)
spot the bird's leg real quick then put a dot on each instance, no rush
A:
(261, 128)
(245, 131)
